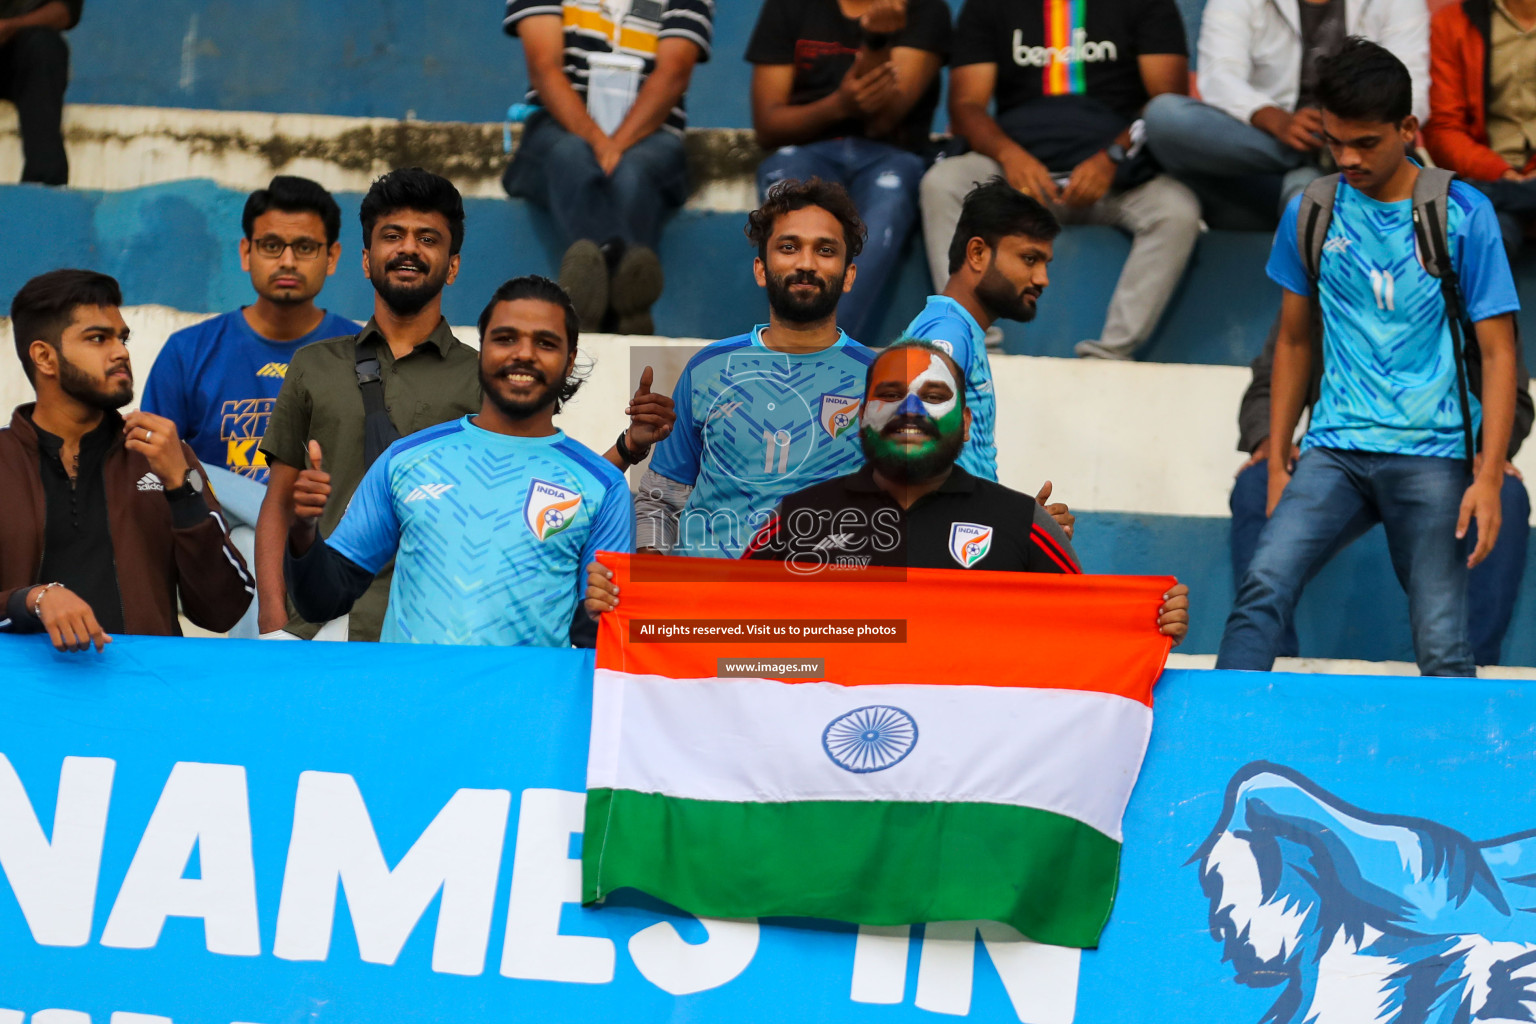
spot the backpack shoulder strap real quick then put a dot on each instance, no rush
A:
(1312, 220)
(1431, 220)
(378, 429)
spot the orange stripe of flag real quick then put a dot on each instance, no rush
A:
(962, 626)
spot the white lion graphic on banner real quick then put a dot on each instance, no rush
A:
(1366, 918)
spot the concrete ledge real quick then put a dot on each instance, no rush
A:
(113, 148)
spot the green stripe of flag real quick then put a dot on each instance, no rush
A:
(883, 863)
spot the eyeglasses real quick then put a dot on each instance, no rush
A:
(303, 248)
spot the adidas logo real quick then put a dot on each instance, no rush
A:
(1338, 244)
(273, 370)
(150, 482)
(428, 492)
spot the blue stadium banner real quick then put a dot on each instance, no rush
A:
(211, 832)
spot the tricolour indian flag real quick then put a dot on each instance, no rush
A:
(976, 770)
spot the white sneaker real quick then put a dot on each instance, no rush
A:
(1094, 350)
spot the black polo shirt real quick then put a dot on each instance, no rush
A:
(968, 523)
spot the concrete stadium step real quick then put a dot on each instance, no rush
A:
(1143, 452)
(132, 166)
(112, 148)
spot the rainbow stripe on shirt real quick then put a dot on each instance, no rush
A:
(1065, 25)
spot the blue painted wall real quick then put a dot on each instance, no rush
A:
(447, 60)
(150, 237)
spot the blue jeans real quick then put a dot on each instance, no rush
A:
(1334, 497)
(1492, 587)
(883, 181)
(1205, 147)
(557, 170)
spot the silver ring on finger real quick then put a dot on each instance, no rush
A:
(148, 434)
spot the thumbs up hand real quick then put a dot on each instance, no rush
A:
(313, 488)
(651, 416)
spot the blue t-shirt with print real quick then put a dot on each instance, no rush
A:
(491, 534)
(218, 380)
(946, 323)
(753, 425)
(1389, 372)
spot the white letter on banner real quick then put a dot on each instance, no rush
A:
(123, 1017)
(880, 964)
(544, 878)
(1041, 981)
(681, 968)
(55, 881)
(203, 807)
(61, 1017)
(334, 842)
(12, 1017)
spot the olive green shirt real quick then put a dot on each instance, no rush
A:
(321, 401)
(1512, 89)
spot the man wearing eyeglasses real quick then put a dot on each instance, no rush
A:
(218, 381)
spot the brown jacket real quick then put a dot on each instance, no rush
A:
(155, 557)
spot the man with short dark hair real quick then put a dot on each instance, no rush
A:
(404, 372)
(998, 261)
(406, 357)
(218, 380)
(106, 522)
(492, 515)
(34, 72)
(767, 412)
(1389, 437)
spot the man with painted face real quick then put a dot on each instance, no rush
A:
(997, 271)
(488, 518)
(912, 505)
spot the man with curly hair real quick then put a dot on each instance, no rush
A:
(773, 410)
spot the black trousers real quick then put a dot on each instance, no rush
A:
(34, 69)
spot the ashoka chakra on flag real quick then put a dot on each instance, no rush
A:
(931, 780)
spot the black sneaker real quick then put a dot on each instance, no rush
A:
(637, 283)
(584, 276)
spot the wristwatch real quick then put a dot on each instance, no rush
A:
(193, 484)
(1116, 153)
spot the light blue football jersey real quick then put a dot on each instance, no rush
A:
(754, 425)
(491, 534)
(946, 323)
(1389, 373)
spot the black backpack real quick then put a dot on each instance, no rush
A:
(1431, 206)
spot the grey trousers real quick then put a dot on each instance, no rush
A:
(1162, 217)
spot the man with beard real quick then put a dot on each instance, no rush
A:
(489, 518)
(106, 522)
(912, 505)
(218, 380)
(997, 270)
(404, 364)
(767, 412)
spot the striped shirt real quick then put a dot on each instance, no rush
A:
(633, 27)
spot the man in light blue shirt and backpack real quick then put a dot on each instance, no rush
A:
(1393, 432)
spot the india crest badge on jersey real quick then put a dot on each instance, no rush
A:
(550, 508)
(969, 543)
(839, 414)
